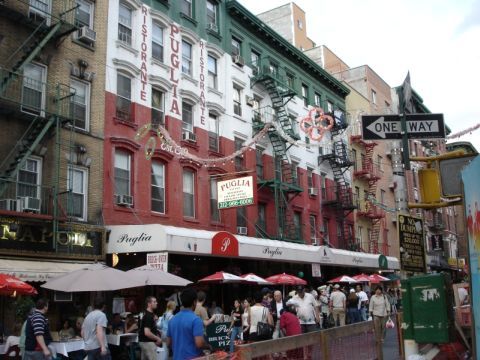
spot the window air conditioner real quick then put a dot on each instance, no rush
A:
(212, 27)
(241, 230)
(28, 203)
(124, 200)
(189, 136)
(312, 191)
(314, 242)
(9, 204)
(249, 100)
(86, 35)
(239, 60)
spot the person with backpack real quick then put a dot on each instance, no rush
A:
(162, 325)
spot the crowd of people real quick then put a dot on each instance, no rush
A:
(180, 331)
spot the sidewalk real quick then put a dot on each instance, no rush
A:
(390, 346)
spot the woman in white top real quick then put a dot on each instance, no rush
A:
(245, 319)
(258, 313)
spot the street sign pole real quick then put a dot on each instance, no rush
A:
(406, 150)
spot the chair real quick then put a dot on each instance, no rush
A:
(13, 353)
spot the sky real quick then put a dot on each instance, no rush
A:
(438, 41)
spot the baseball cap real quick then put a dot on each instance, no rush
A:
(352, 290)
(336, 286)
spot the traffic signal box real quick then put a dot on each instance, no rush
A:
(440, 181)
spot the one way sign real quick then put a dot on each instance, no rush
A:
(387, 127)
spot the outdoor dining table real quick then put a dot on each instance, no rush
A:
(2, 349)
(114, 339)
(64, 347)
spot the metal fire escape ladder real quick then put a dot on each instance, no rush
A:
(285, 182)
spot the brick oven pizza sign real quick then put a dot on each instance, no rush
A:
(235, 192)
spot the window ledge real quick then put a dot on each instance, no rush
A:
(215, 34)
(159, 63)
(215, 153)
(192, 145)
(188, 18)
(191, 220)
(78, 42)
(127, 209)
(127, 47)
(160, 215)
(239, 118)
(239, 68)
(126, 123)
(215, 91)
(217, 224)
(189, 78)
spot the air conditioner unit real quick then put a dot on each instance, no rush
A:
(213, 27)
(241, 230)
(249, 100)
(28, 203)
(237, 59)
(312, 191)
(315, 242)
(9, 204)
(124, 200)
(189, 136)
(86, 35)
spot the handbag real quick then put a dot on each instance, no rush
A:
(331, 321)
(264, 329)
(390, 324)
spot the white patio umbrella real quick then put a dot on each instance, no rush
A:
(151, 276)
(253, 278)
(95, 277)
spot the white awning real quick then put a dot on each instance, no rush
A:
(157, 238)
(28, 270)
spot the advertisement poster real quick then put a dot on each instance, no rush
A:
(470, 176)
(235, 192)
(412, 251)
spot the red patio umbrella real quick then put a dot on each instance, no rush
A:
(10, 285)
(361, 278)
(375, 278)
(344, 279)
(285, 279)
(223, 277)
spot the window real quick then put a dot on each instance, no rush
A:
(29, 178)
(124, 93)
(186, 58)
(255, 59)
(236, 47)
(122, 172)
(382, 197)
(125, 25)
(323, 179)
(262, 219)
(357, 197)
(360, 235)
(310, 177)
(297, 222)
(273, 69)
(214, 211)
(186, 7)
(307, 142)
(305, 95)
(212, 72)
(80, 104)
(380, 162)
(237, 101)
(188, 193)
(290, 81)
(158, 187)
(211, 14)
(239, 164)
(414, 177)
(157, 42)
(242, 216)
(84, 13)
(295, 176)
(300, 24)
(77, 198)
(40, 9)
(313, 229)
(157, 107)
(363, 165)
(325, 230)
(329, 107)
(259, 161)
(387, 105)
(374, 96)
(187, 117)
(318, 100)
(354, 159)
(33, 94)
(214, 132)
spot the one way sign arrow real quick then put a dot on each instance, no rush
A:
(419, 126)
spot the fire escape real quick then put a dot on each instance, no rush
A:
(284, 183)
(38, 105)
(369, 172)
(341, 198)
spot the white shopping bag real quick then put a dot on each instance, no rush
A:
(161, 354)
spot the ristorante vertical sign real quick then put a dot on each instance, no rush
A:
(203, 71)
(174, 66)
(143, 55)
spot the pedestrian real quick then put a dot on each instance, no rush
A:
(246, 319)
(380, 310)
(236, 323)
(363, 303)
(185, 329)
(352, 307)
(277, 305)
(200, 310)
(37, 333)
(307, 311)
(162, 325)
(323, 301)
(94, 333)
(338, 305)
(290, 325)
(148, 334)
(393, 300)
(175, 297)
(258, 313)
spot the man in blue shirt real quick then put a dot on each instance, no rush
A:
(185, 329)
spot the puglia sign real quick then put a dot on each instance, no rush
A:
(235, 192)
